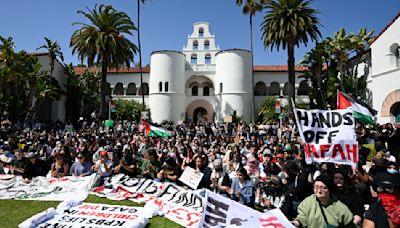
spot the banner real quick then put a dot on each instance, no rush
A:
(220, 211)
(46, 189)
(182, 206)
(328, 136)
(191, 178)
(177, 204)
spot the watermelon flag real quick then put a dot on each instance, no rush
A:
(361, 111)
(151, 130)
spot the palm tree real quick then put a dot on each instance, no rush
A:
(103, 43)
(251, 7)
(289, 23)
(53, 50)
(140, 49)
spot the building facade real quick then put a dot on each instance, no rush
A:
(203, 82)
(384, 78)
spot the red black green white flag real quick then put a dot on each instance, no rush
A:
(361, 111)
(151, 130)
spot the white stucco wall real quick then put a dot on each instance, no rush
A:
(234, 72)
(167, 66)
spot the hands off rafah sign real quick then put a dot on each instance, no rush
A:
(328, 136)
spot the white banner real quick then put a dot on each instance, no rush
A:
(220, 211)
(328, 136)
(177, 204)
(46, 189)
(191, 177)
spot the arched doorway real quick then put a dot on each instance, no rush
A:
(200, 115)
(200, 108)
(395, 110)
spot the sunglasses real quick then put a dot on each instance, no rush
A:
(79, 157)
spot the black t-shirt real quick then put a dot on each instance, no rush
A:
(130, 161)
(40, 168)
(377, 214)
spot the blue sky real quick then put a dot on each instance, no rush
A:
(167, 23)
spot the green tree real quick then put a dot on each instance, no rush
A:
(251, 7)
(128, 109)
(266, 111)
(103, 43)
(54, 51)
(288, 23)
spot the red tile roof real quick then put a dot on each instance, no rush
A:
(387, 26)
(81, 70)
(262, 68)
(277, 68)
(39, 53)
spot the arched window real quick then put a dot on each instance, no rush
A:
(206, 45)
(160, 87)
(286, 89)
(206, 91)
(195, 45)
(274, 89)
(395, 55)
(144, 89)
(166, 86)
(303, 88)
(131, 89)
(195, 91)
(193, 59)
(201, 32)
(260, 89)
(208, 59)
(119, 89)
(108, 89)
(220, 87)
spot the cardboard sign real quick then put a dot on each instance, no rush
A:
(328, 136)
(220, 211)
(191, 177)
(228, 119)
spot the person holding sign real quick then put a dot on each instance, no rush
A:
(322, 209)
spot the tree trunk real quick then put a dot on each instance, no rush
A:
(140, 53)
(291, 77)
(253, 104)
(103, 88)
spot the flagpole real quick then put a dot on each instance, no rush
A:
(297, 121)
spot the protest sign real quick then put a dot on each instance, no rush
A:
(328, 136)
(97, 215)
(182, 206)
(220, 211)
(191, 178)
(46, 189)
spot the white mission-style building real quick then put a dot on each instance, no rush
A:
(202, 82)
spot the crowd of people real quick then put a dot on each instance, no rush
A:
(260, 166)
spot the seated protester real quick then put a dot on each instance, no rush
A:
(206, 179)
(127, 165)
(18, 164)
(60, 167)
(81, 167)
(102, 167)
(386, 210)
(243, 189)
(322, 209)
(273, 196)
(152, 166)
(220, 181)
(170, 172)
(346, 193)
(34, 167)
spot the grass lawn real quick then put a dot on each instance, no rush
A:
(14, 212)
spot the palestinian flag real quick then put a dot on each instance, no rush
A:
(361, 111)
(151, 130)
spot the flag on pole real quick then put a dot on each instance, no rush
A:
(361, 111)
(151, 130)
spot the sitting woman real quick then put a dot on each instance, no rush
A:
(170, 172)
(81, 167)
(59, 168)
(273, 196)
(322, 209)
(243, 189)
